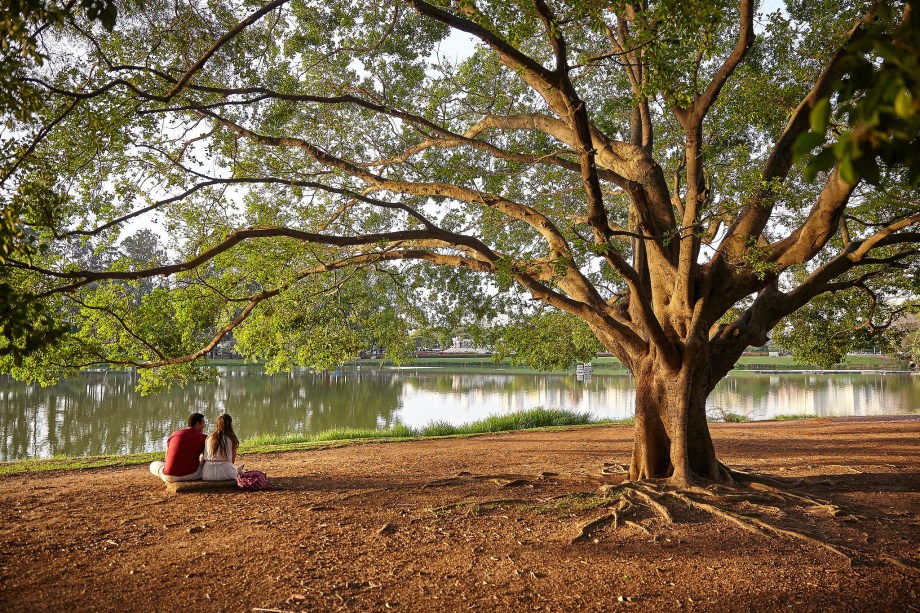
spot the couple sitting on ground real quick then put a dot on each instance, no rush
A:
(191, 455)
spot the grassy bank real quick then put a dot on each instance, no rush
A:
(269, 443)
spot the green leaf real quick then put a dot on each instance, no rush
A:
(823, 161)
(806, 142)
(904, 104)
(848, 171)
(820, 115)
(867, 167)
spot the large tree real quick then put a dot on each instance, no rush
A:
(336, 173)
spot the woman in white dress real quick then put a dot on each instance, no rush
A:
(220, 452)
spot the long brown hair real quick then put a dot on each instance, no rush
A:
(224, 428)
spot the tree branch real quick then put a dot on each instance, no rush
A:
(745, 41)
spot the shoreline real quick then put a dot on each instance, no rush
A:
(77, 463)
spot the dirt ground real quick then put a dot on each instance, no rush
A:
(493, 522)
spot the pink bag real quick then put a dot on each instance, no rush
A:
(252, 480)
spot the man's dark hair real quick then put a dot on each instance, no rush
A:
(194, 419)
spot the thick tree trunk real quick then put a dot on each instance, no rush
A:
(672, 436)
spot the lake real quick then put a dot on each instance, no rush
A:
(100, 413)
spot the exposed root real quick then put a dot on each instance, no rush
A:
(443, 482)
(615, 469)
(585, 531)
(612, 489)
(732, 517)
(741, 506)
(375, 490)
(747, 477)
(637, 525)
(767, 490)
(478, 503)
(827, 509)
(898, 562)
(508, 480)
(757, 526)
(731, 498)
(763, 487)
(654, 504)
(512, 483)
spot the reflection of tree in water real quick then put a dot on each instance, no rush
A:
(100, 413)
(92, 414)
(515, 383)
(467, 382)
(744, 393)
(310, 403)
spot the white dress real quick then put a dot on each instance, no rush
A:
(218, 467)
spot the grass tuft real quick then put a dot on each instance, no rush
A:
(789, 417)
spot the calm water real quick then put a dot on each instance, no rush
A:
(99, 413)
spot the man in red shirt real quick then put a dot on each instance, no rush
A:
(183, 452)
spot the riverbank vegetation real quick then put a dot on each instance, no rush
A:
(271, 443)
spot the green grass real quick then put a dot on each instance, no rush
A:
(335, 434)
(274, 443)
(789, 417)
(74, 463)
(524, 420)
(766, 362)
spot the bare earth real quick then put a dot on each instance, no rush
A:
(491, 522)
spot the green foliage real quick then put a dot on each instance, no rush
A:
(878, 103)
(319, 158)
(548, 341)
(823, 331)
(348, 318)
(729, 417)
(25, 326)
(755, 258)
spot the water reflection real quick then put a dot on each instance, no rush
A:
(100, 413)
(763, 396)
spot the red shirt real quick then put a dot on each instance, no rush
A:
(182, 450)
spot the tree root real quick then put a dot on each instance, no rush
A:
(478, 503)
(619, 499)
(775, 487)
(763, 492)
(506, 480)
(654, 504)
(756, 526)
(615, 469)
(374, 490)
(585, 531)
(748, 477)
(512, 483)
(898, 562)
(637, 525)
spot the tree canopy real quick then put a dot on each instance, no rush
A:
(326, 176)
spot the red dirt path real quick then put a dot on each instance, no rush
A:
(414, 526)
